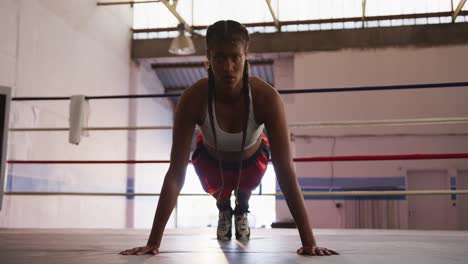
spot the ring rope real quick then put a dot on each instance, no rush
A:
(92, 128)
(307, 194)
(454, 120)
(382, 122)
(299, 159)
(293, 91)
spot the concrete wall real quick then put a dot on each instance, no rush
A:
(61, 48)
(367, 67)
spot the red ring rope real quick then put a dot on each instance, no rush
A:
(302, 159)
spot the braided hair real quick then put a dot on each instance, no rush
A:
(219, 32)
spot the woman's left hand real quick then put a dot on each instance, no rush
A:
(316, 251)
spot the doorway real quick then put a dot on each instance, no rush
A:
(429, 212)
(462, 200)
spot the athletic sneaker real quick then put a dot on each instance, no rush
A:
(242, 227)
(224, 232)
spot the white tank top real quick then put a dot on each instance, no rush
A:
(231, 141)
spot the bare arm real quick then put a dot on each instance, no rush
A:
(184, 125)
(278, 135)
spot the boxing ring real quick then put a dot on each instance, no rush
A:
(267, 245)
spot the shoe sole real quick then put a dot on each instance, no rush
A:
(243, 237)
(224, 238)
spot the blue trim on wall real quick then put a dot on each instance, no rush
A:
(9, 186)
(130, 188)
(397, 183)
(453, 181)
(343, 198)
(353, 182)
(29, 184)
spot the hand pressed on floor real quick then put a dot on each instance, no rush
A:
(316, 251)
(153, 250)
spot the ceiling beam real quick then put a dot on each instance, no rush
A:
(314, 21)
(275, 18)
(403, 36)
(125, 3)
(458, 10)
(363, 12)
(172, 9)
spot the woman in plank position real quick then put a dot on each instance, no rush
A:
(231, 110)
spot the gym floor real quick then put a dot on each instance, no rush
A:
(200, 246)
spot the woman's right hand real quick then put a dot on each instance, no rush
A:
(153, 250)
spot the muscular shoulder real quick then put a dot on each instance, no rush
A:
(261, 90)
(264, 97)
(197, 90)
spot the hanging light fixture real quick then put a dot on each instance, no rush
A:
(182, 44)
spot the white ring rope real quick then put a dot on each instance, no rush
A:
(320, 193)
(450, 120)
(383, 122)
